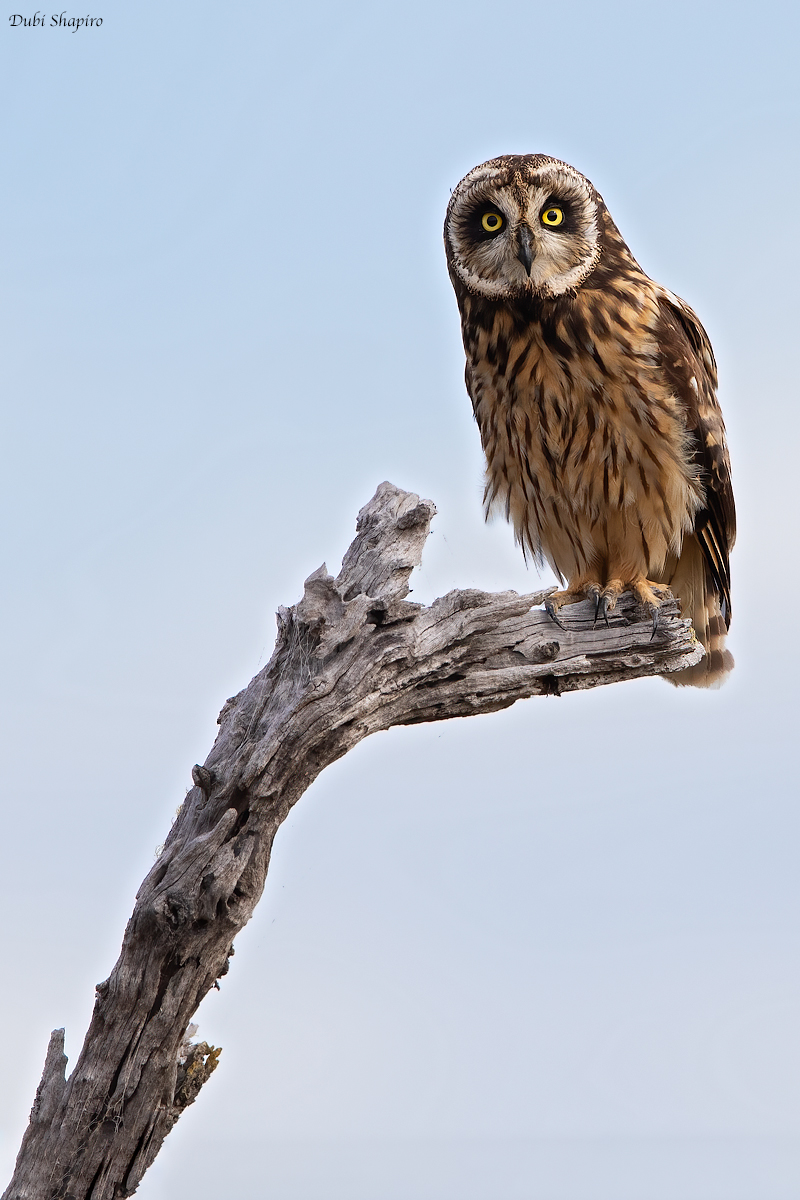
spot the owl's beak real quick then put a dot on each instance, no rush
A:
(524, 251)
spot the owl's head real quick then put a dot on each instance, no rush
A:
(523, 225)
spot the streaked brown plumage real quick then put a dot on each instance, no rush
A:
(594, 389)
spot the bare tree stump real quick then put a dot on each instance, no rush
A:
(353, 657)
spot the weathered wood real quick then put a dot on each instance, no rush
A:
(353, 657)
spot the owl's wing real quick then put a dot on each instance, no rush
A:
(470, 391)
(689, 363)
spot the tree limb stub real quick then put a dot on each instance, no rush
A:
(353, 657)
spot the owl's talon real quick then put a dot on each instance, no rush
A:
(601, 610)
(552, 612)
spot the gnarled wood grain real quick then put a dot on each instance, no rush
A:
(353, 657)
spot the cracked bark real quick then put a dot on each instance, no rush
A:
(353, 657)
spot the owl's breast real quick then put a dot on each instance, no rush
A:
(579, 426)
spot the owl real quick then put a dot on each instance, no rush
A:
(594, 390)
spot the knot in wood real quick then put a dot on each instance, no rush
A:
(203, 778)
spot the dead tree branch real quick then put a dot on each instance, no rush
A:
(353, 657)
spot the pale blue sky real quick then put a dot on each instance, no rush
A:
(550, 954)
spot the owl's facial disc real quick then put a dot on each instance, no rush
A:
(523, 226)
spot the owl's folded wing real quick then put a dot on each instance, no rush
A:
(689, 363)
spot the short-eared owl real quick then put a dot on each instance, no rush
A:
(594, 389)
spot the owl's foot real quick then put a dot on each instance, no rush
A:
(603, 603)
(574, 595)
(649, 595)
(557, 600)
(605, 597)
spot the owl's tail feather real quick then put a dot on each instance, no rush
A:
(690, 582)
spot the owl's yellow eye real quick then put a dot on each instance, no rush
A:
(492, 222)
(552, 217)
